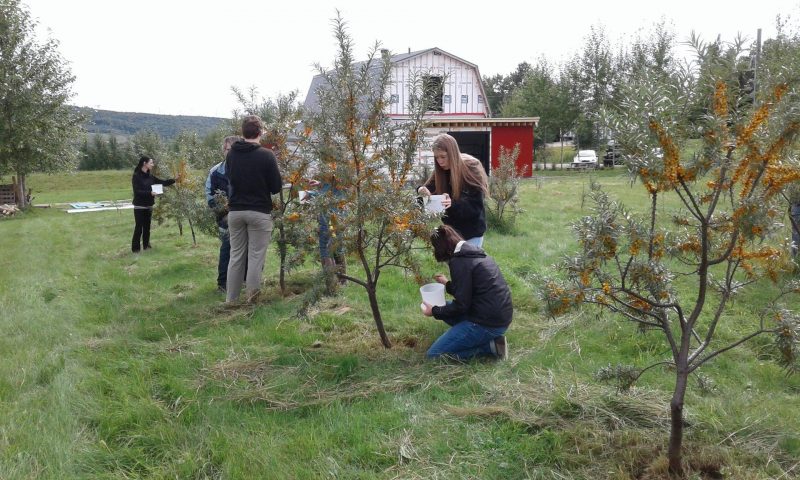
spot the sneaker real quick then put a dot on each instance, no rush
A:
(499, 347)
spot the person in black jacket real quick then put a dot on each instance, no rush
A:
(254, 177)
(143, 201)
(462, 179)
(481, 310)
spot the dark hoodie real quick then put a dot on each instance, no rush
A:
(479, 289)
(253, 174)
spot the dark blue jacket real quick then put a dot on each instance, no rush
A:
(217, 182)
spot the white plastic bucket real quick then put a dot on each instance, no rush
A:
(433, 294)
(434, 204)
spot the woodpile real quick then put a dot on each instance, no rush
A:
(8, 210)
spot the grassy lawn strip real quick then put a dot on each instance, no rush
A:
(129, 366)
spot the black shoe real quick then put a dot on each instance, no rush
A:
(221, 288)
(148, 247)
(499, 347)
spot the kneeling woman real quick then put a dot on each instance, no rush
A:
(481, 310)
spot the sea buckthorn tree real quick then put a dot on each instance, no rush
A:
(677, 271)
(365, 161)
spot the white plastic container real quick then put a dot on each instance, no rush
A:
(433, 294)
(434, 204)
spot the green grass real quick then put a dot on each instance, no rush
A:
(80, 186)
(123, 366)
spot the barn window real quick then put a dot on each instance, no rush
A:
(433, 92)
(394, 98)
(446, 99)
(464, 98)
(480, 98)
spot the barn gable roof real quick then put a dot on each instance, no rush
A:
(311, 102)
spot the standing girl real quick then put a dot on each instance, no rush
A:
(143, 201)
(462, 179)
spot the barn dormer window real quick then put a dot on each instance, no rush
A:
(433, 93)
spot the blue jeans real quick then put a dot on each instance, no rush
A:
(465, 340)
(325, 241)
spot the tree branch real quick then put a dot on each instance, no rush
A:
(352, 279)
(691, 206)
(723, 350)
(626, 314)
(665, 362)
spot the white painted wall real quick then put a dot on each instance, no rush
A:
(461, 80)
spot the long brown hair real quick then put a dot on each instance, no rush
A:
(464, 169)
(444, 241)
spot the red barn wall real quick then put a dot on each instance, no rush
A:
(510, 136)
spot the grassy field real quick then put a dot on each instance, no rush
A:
(128, 366)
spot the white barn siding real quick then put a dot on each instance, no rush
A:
(461, 79)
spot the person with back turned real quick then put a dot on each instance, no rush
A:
(252, 171)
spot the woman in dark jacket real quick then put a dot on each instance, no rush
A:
(143, 201)
(481, 310)
(462, 179)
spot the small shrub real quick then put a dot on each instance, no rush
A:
(502, 212)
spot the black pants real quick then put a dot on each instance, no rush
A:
(141, 232)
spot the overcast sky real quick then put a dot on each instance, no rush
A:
(181, 58)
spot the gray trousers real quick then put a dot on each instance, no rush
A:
(250, 234)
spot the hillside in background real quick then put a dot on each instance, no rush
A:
(127, 123)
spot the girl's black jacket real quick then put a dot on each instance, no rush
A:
(480, 292)
(467, 214)
(142, 193)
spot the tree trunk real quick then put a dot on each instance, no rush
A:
(376, 314)
(20, 191)
(282, 251)
(676, 422)
(194, 237)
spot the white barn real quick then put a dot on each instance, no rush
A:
(458, 82)
(457, 105)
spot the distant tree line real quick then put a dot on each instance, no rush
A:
(109, 152)
(128, 123)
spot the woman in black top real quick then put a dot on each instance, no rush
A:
(462, 179)
(143, 201)
(481, 310)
